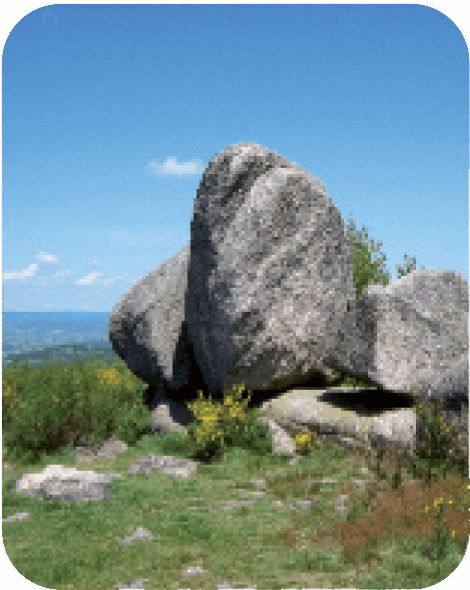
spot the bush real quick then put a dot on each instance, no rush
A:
(367, 271)
(306, 441)
(131, 426)
(436, 454)
(218, 427)
(48, 407)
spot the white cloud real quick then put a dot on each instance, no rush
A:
(172, 168)
(29, 272)
(35, 276)
(46, 257)
(63, 273)
(89, 279)
(43, 285)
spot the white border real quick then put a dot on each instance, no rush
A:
(12, 12)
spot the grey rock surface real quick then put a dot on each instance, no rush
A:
(264, 296)
(410, 337)
(271, 273)
(147, 329)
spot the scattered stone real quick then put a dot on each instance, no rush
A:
(69, 484)
(169, 415)
(166, 463)
(62, 484)
(99, 450)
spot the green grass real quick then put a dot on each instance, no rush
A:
(400, 542)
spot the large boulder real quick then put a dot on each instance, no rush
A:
(147, 329)
(149, 325)
(270, 277)
(411, 338)
(264, 296)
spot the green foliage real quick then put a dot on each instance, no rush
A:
(218, 427)
(50, 406)
(306, 441)
(175, 444)
(435, 453)
(133, 425)
(409, 266)
(438, 546)
(367, 271)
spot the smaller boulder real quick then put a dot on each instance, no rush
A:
(67, 484)
(411, 337)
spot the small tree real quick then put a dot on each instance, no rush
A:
(367, 271)
(409, 266)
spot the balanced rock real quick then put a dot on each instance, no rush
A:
(304, 264)
(270, 276)
(411, 337)
(264, 295)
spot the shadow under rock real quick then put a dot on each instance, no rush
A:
(365, 402)
(370, 402)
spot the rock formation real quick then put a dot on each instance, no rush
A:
(285, 285)
(270, 275)
(264, 295)
(411, 337)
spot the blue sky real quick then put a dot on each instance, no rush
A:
(112, 112)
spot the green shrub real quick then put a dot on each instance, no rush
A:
(306, 441)
(218, 427)
(409, 266)
(131, 426)
(175, 444)
(48, 407)
(367, 271)
(435, 455)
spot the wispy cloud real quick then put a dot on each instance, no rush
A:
(22, 274)
(37, 274)
(89, 279)
(47, 257)
(172, 168)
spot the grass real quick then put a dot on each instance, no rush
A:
(410, 537)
